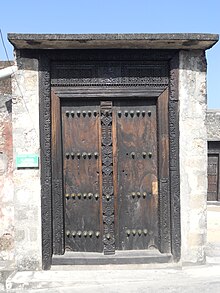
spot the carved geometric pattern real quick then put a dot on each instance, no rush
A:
(46, 176)
(173, 110)
(48, 62)
(164, 215)
(107, 178)
(115, 74)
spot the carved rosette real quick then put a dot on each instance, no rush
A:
(107, 178)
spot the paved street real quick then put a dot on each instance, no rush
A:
(124, 278)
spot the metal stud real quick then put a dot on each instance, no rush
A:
(90, 233)
(144, 194)
(79, 233)
(96, 196)
(133, 155)
(67, 113)
(72, 113)
(73, 195)
(149, 113)
(95, 113)
(84, 155)
(79, 195)
(89, 155)
(85, 195)
(85, 233)
(96, 155)
(74, 233)
(90, 195)
(139, 232)
(84, 113)
(67, 233)
(67, 155)
(138, 194)
(144, 154)
(72, 155)
(145, 232)
(150, 155)
(143, 113)
(108, 236)
(78, 113)
(78, 155)
(132, 113)
(126, 113)
(138, 113)
(119, 114)
(134, 232)
(133, 194)
(128, 232)
(67, 195)
(97, 234)
(108, 197)
(89, 113)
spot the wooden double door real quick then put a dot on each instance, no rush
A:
(110, 174)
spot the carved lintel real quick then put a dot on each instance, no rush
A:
(107, 178)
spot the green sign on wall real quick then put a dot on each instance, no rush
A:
(27, 161)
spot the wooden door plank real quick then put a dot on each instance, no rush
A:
(137, 174)
(81, 175)
(163, 160)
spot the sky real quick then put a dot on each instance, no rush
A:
(117, 16)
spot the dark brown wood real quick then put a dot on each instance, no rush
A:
(213, 177)
(174, 175)
(136, 128)
(81, 171)
(213, 171)
(133, 89)
(46, 176)
(57, 177)
(107, 178)
(163, 169)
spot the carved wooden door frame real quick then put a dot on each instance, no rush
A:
(169, 182)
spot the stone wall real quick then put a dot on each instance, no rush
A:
(193, 154)
(213, 125)
(6, 170)
(25, 114)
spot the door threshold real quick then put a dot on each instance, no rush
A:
(120, 257)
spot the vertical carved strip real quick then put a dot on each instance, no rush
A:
(107, 178)
(45, 141)
(174, 158)
(57, 176)
(164, 215)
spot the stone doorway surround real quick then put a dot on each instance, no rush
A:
(32, 186)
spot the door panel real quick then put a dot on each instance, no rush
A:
(137, 185)
(88, 139)
(213, 175)
(81, 175)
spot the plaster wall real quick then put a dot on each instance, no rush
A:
(193, 155)
(6, 171)
(25, 120)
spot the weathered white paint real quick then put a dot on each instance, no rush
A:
(193, 154)
(8, 71)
